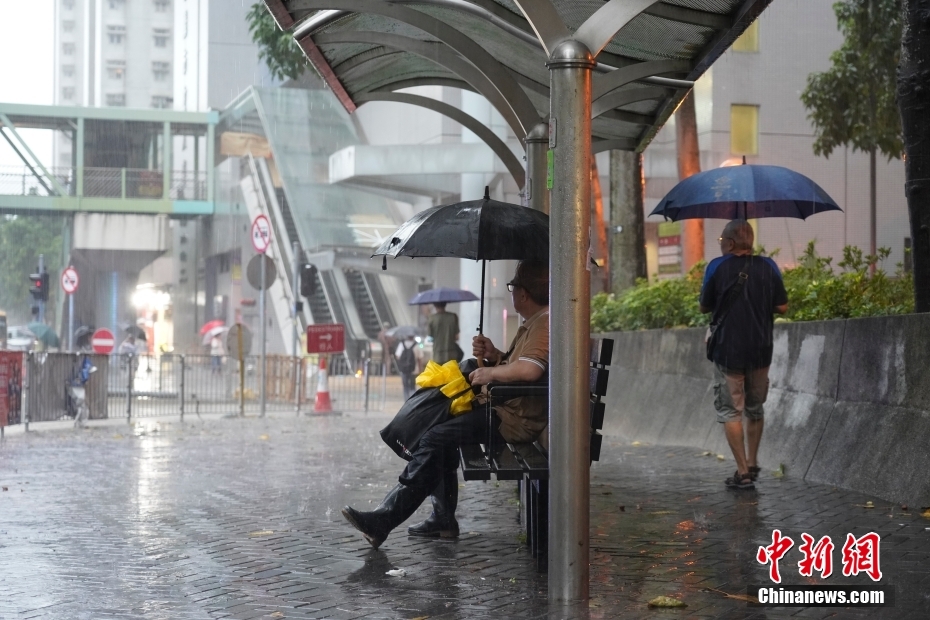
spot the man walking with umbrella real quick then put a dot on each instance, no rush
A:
(432, 468)
(443, 328)
(742, 291)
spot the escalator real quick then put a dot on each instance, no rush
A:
(367, 311)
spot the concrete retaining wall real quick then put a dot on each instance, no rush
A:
(848, 405)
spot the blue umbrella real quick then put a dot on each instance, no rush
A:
(442, 295)
(745, 192)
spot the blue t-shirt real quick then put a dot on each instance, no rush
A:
(744, 339)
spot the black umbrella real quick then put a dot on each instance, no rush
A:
(480, 230)
(82, 336)
(402, 332)
(136, 332)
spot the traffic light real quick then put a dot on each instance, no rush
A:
(36, 288)
(308, 274)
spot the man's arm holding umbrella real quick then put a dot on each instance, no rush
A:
(520, 370)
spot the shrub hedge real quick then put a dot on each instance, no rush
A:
(816, 291)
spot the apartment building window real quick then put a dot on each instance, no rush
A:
(68, 5)
(116, 33)
(116, 4)
(67, 25)
(160, 71)
(67, 71)
(116, 100)
(161, 6)
(744, 129)
(67, 49)
(161, 36)
(749, 40)
(160, 101)
(116, 69)
(67, 92)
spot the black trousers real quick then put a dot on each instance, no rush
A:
(438, 448)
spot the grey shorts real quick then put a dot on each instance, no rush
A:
(739, 392)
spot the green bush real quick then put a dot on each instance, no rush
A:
(815, 292)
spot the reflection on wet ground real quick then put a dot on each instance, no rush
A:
(240, 518)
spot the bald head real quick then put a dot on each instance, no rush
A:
(740, 232)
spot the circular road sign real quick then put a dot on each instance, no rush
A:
(235, 335)
(253, 271)
(261, 234)
(69, 280)
(103, 341)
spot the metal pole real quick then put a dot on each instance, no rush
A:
(181, 387)
(131, 359)
(537, 143)
(241, 373)
(261, 312)
(367, 382)
(570, 67)
(295, 288)
(41, 303)
(27, 389)
(299, 384)
(71, 322)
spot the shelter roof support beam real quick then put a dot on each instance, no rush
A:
(492, 69)
(442, 56)
(620, 98)
(607, 82)
(513, 164)
(597, 31)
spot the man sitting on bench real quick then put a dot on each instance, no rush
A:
(432, 469)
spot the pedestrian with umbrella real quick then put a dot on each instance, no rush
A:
(742, 291)
(431, 471)
(443, 326)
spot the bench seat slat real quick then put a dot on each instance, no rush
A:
(474, 463)
(535, 462)
(505, 465)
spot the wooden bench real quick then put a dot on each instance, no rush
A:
(528, 463)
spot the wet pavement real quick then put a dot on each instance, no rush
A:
(239, 518)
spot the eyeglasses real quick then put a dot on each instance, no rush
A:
(720, 239)
(511, 286)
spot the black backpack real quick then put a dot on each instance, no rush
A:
(408, 360)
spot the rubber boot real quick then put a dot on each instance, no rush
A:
(442, 523)
(395, 508)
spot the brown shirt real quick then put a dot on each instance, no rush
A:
(524, 418)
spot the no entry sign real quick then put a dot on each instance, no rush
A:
(103, 341)
(69, 280)
(261, 234)
(329, 338)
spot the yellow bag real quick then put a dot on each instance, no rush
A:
(450, 379)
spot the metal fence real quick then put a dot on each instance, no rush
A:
(140, 386)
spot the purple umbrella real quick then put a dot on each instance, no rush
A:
(442, 295)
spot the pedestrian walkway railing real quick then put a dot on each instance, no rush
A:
(141, 386)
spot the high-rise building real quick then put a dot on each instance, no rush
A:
(112, 53)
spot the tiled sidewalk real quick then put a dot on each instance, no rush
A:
(240, 518)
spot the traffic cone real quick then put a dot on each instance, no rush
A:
(322, 404)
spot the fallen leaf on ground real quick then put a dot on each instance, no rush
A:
(258, 533)
(666, 601)
(263, 437)
(117, 436)
(780, 472)
(622, 508)
(397, 572)
(661, 512)
(740, 597)
(636, 443)
(277, 614)
(869, 505)
(706, 453)
(720, 457)
(925, 513)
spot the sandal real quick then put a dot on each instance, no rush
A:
(754, 472)
(740, 482)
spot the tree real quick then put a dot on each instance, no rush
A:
(22, 239)
(914, 105)
(285, 59)
(853, 103)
